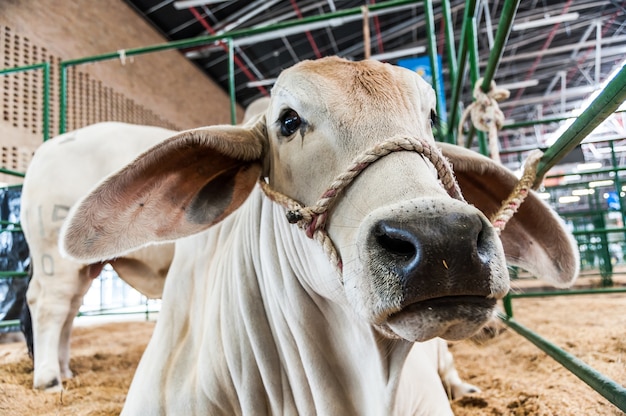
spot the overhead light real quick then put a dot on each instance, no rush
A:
(261, 83)
(520, 84)
(544, 195)
(546, 21)
(568, 199)
(185, 4)
(588, 166)
(398, 54)
(597, 184)
(581, 192)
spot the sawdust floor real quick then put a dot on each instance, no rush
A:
(515, 377)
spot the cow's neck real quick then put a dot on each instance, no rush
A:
(320, 355)
(242, 330)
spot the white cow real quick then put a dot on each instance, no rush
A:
(257, 318)
(62, 171)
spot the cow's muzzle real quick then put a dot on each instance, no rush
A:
(447, 264)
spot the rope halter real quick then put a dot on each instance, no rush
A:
(485, 114)
(312, 219)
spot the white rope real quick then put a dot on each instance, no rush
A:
(485, 114)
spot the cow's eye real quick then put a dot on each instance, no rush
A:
(290, 122)
(434, 119)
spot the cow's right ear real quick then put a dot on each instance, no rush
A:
(177, 188)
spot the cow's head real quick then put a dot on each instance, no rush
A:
(417, 263)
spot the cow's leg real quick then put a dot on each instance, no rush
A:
(454, 386)
(55, 283)
(66, 331)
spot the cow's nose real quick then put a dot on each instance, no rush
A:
(446, 254)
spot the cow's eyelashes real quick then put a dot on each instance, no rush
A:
(290, 121)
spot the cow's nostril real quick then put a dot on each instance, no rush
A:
(396, 241)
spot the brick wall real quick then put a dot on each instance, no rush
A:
(161, 89)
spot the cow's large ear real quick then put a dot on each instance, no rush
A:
(177, 188)
(535, 238)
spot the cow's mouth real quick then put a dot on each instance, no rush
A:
(448, 317)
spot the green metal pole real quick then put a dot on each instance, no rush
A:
(235, 34)
(432, 53)
(612, 391)
(549, 293)
(46, 101)
(45, 67)
(543, 121)
(618, 182)
(62, 97)
(451, 57)
(502, 34)
(231, 81)
(474, 76)
(12, 172)
(604, 105)
(470, 10)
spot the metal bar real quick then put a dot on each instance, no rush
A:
(568, 292)
(46, 101)
(203, 40)
(451, 57)
(604, 105)
(45, 67)
(231, 81)
(470, 10)
(10, 323)
(9, 274)
(62, 97)
(12, 172)
(502, 34)
(474, 76)
(609, 389)
(7, 71)
(432, 53)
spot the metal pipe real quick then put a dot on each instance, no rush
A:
(231, 81)
(46, 101)
(604, 105)
(432, 53)
(45, 67)
(468, 14)
(12, 172)
(609, 389)
(509, 9)
(483, 148)
(204, 40)
(567, 293)
(451, 57)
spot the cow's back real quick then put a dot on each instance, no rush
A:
(64, 169)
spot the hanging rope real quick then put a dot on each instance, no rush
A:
(510, 205)
(486, 115)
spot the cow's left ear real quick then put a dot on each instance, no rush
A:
(177, 188)
(535, 238)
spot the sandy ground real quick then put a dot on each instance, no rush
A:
(515, 377)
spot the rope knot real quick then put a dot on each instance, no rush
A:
(485, 114)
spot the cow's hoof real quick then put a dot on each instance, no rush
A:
(462, 389)
(53, 386)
